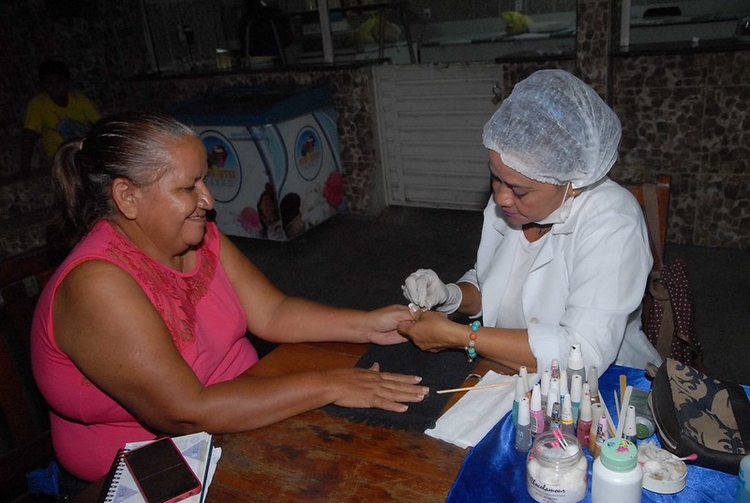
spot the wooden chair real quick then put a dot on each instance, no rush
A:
(663, 188)
(25, 441)
(656, 219)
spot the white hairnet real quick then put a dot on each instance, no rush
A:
(553, 128)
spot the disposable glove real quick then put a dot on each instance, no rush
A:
(424, 288)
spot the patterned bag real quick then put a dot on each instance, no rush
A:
(695, 413)
(670, 324)
(671, 321)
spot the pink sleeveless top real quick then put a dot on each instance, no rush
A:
(200, 309)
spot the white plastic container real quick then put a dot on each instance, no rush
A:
(616, 476)
(743, 482)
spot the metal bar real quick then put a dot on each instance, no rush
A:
(325, 31)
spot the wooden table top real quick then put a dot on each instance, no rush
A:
(316, 456)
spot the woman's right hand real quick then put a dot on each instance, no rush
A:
(424, 288)
(363, 388)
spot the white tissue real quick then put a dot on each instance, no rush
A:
(474, 415)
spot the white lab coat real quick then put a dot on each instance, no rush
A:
(586, 285)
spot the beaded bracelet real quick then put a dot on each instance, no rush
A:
(471, 350)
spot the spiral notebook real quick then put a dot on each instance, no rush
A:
(198, 449)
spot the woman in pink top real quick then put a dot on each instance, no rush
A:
(141, 331)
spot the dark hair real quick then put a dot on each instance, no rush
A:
(52, 67)
(289, 207)
(133, 146)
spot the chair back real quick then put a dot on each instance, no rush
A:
(25, 441)
(663, 187)
(658, 247)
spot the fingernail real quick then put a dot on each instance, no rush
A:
(417, 378)
(404, 408)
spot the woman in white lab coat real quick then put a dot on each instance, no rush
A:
(564, 255)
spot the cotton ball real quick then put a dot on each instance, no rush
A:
(651, 466)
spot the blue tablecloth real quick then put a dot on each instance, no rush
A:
(494, 472)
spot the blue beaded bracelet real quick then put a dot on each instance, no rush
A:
(471, 350)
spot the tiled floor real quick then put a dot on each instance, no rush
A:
(361, 262)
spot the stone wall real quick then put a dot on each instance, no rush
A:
(689, 116)
(684, 115)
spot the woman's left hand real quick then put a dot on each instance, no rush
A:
(430, 331)
(384, 322)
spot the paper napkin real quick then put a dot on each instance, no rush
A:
(474, 415)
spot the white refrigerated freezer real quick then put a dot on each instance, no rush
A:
(273, 156)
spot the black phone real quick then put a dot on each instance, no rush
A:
(161, 472)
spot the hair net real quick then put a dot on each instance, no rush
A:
(553, 128)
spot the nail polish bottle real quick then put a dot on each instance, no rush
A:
(523, 429)
(524, 373)
(576, 390)
(593, 381)
(563, 384)
(566, 416)
(597, 412)
(555, 418)
(536, 412)
(583, 425)
(553, 397)
(586, 389)
(519, 394)
(602, 434)
(555, 369)
(630, 431)
(544, 386)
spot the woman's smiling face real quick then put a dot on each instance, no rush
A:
(522, 199)
(172, 210)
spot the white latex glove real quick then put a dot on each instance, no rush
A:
(424, 288)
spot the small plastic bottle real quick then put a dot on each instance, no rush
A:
(523, 428)
(536, 413)
(597, 411)
(544, 387)
(519, 394)
(593, 380)
(583, 425)
(524, 374)
(630, 431)
(553, 397)
(576, 391)
(575, 364)
(554, 368)
(564, 390)
(743, 482)
(566, 416)
(602, 435)
(616, 476)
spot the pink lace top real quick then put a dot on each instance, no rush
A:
(200, 309)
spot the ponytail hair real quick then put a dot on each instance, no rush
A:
(132, 146)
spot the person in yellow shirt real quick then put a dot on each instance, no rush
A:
(56, 114)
